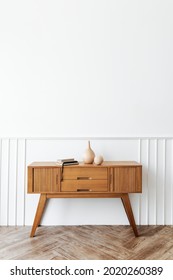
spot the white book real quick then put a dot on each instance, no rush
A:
(67, 163)
(65, 160)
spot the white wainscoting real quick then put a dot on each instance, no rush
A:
(153, 207)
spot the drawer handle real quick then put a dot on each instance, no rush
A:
(83, 190)
(84, 178)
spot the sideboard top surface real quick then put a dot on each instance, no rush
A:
(81, 164)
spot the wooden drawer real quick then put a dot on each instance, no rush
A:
(82, 173)
(84, 186)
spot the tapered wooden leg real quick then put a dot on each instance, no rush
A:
(127, 206)
(39, 212)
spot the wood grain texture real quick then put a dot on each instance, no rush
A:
(138, 181)
(46, 180)
(93, 173)
(89, 185)
(84, 165)
(127, 179)
(81, 194)
(111, 179)
(129, 212)
(30, 180)
(39, 212)
(92, 243)
(77, 181)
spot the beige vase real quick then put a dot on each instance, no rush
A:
(88, 155)
(98, 160)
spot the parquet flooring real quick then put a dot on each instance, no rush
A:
(87, 243)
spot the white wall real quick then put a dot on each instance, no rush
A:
(107, 63)
(94, 68)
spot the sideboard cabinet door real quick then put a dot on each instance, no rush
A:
(44, 180)
(128, 179)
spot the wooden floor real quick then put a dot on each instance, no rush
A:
(87, 243)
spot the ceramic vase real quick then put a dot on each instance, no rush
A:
(88, 155)
(98, 160)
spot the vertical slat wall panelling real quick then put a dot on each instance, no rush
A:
(144, 197)
(0, 175)
(25, 181)
(148, 168)
(171, 193)
(17, 145)
(164, 178)
(168, 182)
(37, 150)
(4, 182)
(160, 182)
(152, 183)
(20, 182)
(134, 198)
(153, 206)
(156, 164)
(8, 181)
(139, 195)
(12, 182)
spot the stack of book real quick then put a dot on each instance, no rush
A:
(67, 161)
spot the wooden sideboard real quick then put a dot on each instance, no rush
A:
(111, 179)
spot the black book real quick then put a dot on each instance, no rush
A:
(70, 162)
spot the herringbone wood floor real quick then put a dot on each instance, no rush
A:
(87, 243)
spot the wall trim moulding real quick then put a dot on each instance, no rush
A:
(153, 207)
(152, 137)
